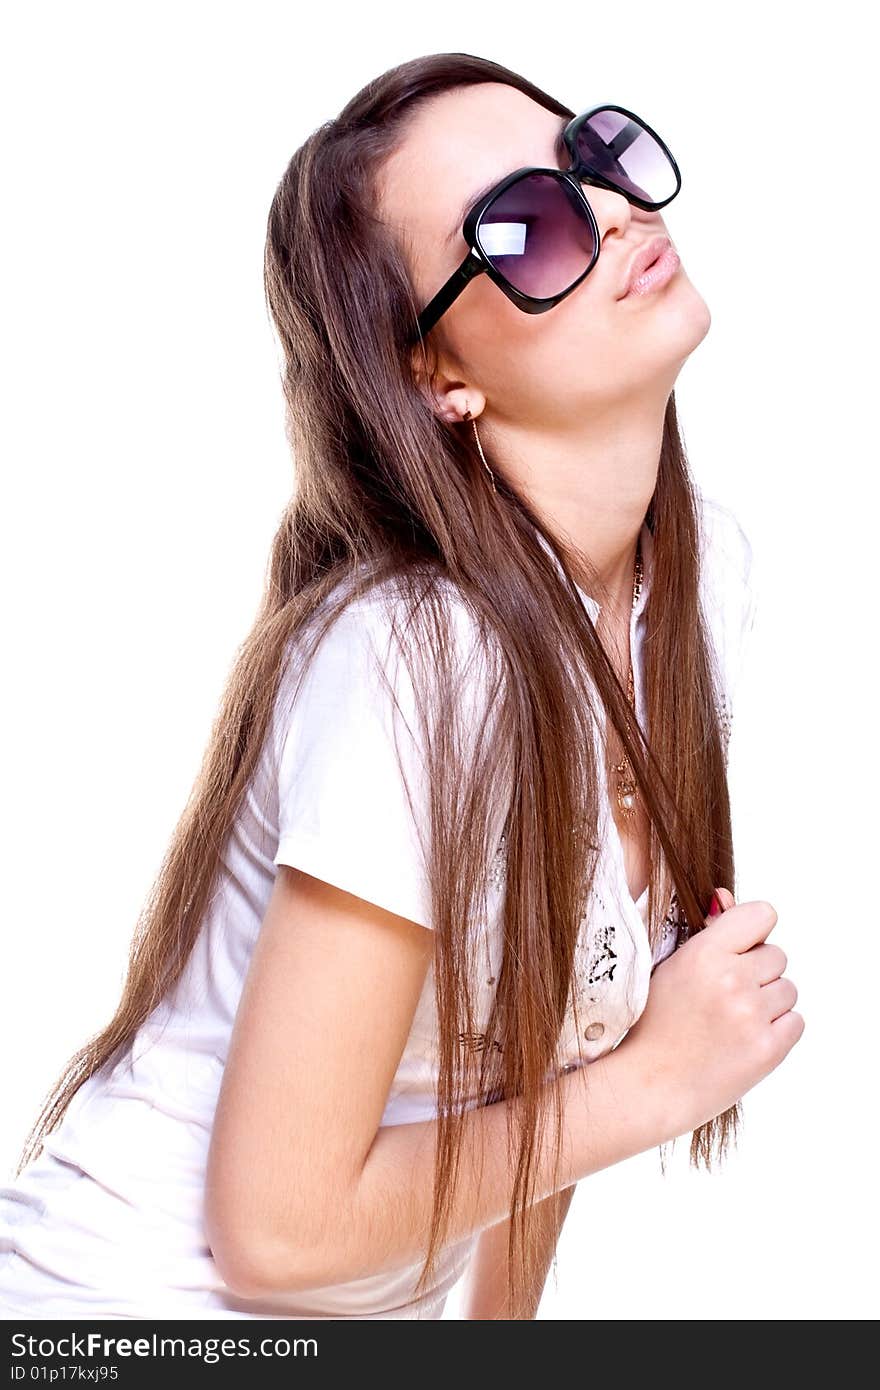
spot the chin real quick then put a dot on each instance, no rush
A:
(691, 312)
(681, 323)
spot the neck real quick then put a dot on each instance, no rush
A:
(592, 486)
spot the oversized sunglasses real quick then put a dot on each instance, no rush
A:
(534, 233)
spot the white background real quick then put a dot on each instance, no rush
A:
(145, 469)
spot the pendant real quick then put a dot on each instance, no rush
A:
(626, 797)
(626, 786)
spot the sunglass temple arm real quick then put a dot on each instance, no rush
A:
(471, 265)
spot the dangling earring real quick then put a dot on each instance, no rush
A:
(467, 416)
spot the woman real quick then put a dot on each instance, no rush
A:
(431, 862)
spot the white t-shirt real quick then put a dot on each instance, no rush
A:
(106, 1219)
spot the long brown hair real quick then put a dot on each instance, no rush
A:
(385, 490)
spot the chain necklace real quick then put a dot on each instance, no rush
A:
(626, 785)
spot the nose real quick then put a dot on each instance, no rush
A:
(612, 211)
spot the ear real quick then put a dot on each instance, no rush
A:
(458, 402)
(448, 396)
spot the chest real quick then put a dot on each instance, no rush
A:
(633, 832)
(632, 825)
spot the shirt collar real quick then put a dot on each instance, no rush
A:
(591, 604)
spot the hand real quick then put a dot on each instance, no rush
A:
(719, 1016)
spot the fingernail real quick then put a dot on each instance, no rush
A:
(715, 908)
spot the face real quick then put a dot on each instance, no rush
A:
(595, 349)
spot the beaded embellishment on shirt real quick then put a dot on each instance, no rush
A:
(498, 866)
(595, 956)
(671, 925)
(477, 1042)
(725, 724)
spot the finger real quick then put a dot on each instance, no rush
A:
(744, 925)
(778, 997)
(788, 1028)
(721, 900)
(769, 961)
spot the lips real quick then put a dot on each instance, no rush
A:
(645, 256)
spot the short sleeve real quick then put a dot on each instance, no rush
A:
(731, 586)
(352, 802)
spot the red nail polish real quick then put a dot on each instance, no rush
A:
(715, 908)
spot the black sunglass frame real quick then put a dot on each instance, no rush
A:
(477, 262)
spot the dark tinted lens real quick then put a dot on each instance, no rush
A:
(621, 150)
(538, 235)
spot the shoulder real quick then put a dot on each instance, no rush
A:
(726, 551)
(728, 584)
(385, 627)
(379, 653)
(352, 727)
(727, 560)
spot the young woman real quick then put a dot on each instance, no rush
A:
(466, 794)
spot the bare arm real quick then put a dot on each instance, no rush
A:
(486, 1281)
(305, 1187)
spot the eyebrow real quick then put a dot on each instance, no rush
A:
(558, 149)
